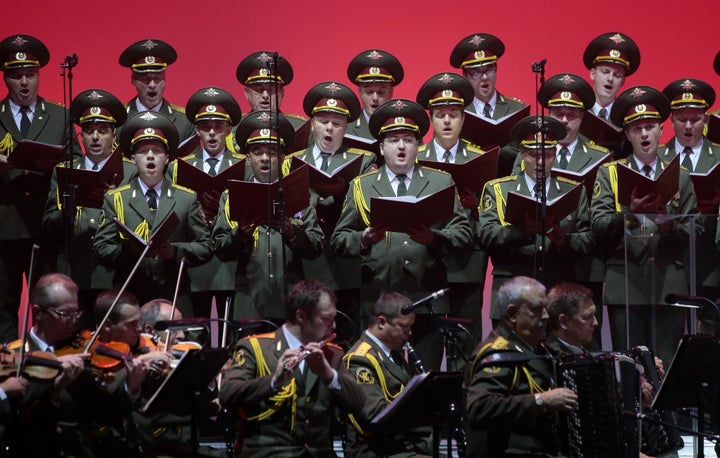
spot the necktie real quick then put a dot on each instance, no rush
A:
(402, 188)
(95, 166)
(563, 163)
(446, 156)
(212, 162)
(24, 122)
(603, 114)
(486, 111)
(325, 161)
(687, 161)
(647, 170)
(152, 199)
(397, 358)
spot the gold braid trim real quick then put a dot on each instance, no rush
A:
(143, 230)
(7, 145)
(231, 223)
(289, 391)
(383, 385)
(360, 203)
(500, 204)
(285, 169)
(119, 210)
(612, 169)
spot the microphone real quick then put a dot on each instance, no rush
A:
(539, 67)
(199, 323)
(408, 309)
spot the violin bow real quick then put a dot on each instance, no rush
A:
(26, 315)
(174, 302)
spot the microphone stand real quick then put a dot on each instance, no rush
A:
(540, 190)
(69, 207)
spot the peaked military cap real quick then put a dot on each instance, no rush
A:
(148, 55)
(262, 127)
(716, 63)
(213, 103)
(536, 132)
(146, 126)
(258, 68)
(398, 114)
(445, 89)
(477, 50)
(613, 48)
(96, 105)
(566, 90)
(21, 51)
(332, 97)
(689, 93)
(638, 103)
(375, 66)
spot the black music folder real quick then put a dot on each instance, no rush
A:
(400, 214)
(519, 205)
(424, 396)
(333, 183)
(666, 185)
(472, 175)
(91, 186)
(161, 233)
(32, 155)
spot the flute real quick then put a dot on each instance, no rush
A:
(292, 364)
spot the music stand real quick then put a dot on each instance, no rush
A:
(182, 390)
(691, 379)
(425, 400)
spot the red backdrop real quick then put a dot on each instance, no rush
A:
(320, 37)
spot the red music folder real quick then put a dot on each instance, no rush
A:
(707, 189)
(250, 201)
(666, 185)
(487, 132)
(586, 176)
(334, 183)
(472, 175)
(519, 205)
(188, 145)
(32, 155)
(90, 185)
(400, 214)
(161, 232)
(199, 181)
(601, 132)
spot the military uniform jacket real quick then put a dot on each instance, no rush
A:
(258, 258)
(707, 254)
(79, 263)
(655, 259)
(191, 239)
(512, 252)
(397, 263)
(466, 266)
(360, 128)
(381, 380)
(176, 113)
(503, 106)
(336, 272)
(214, 275)
(501, 413)
(23, 192)
(288, 431)
(588, 268)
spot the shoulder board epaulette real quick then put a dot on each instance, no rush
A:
(177, 108)
(502, 179)
(502, 97)
(597, 147)
(127, 159)
(362, 349)
(372, 172)
(267, 335)
(360, 151)
(422, 148)
(566, 180)
(424, 167)
(182, 188)
(712, 143)
(613, 163)
(57, 104)
(296, 153)
(290, 115)
(121, 188)
(474, 148)
(185, 158)
(501, 343)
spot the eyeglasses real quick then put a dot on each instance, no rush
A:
(66, 315)
(478, 73)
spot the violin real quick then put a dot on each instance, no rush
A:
(105, 358)
(37, 365)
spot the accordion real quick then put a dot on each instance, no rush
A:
(606, 386)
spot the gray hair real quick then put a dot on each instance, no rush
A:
(513, 291)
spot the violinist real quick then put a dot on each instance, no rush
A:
(159, 310)
(381, 371)
(287, 402)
